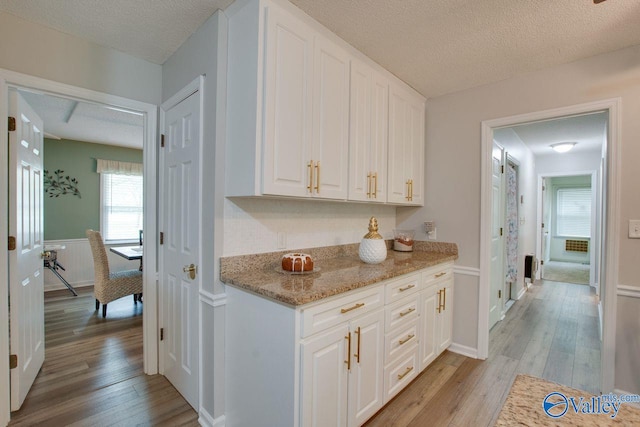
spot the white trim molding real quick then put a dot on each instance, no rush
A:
(466, 271)
(463, 350)
(214, 300)
(629, 291)
(205, 419)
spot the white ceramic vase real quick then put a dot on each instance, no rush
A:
(373, 251)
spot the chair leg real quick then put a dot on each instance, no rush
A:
(104, 310)
(97, 305)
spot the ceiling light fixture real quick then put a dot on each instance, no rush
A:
(563, 147)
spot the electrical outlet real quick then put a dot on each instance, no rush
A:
(432, 235)
(634, 228)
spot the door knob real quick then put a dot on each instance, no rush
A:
(191, 269)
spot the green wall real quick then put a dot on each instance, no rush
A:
(67, 216)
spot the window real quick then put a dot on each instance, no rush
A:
(573, 212)
(121, 198)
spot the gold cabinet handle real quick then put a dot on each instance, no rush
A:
(439, 301)
(408, 190)
(357, 355)
(406, 288)
(317, 187)
(346, 310)
(409, 311)
(444, 299)
(441, 274)
(408, 338)
(375, 185)
(368, 186)
(310, 167)
(348, 361)
(405, 373)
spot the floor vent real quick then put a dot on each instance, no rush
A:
(576, 246)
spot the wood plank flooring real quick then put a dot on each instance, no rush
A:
(93, 373)
(552, 333)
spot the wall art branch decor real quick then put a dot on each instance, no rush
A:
(58, 184)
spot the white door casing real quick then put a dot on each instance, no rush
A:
(26, 275)
(181, 161)
(497, 239)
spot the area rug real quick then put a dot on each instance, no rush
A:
(567, 272)
(525, 406)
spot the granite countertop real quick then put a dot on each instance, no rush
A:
(339, 270)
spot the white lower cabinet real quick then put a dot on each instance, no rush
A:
(342, 372)
(444, 323)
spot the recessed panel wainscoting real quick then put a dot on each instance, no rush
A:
(78, 263)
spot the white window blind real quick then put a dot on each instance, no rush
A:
(121, 214)
(573, 212)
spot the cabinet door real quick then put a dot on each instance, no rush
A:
(366, 377)
(379, 135)
(331, 120)
(406, 147)
(287, 105)
(325, 378)
(428, 326)
(360, 133)
(445, 317)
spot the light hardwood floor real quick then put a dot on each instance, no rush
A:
(93, 374)
(552, 333)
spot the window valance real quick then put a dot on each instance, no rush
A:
(117, 167)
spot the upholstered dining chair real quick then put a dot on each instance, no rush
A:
(111, 286)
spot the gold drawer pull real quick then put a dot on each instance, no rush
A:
(409, 311)
(406, 339)
(317, 187)
(441, 274)
(310, 186)
(369, 186)
(407, 288)
(405, 373)
(348, 361)
(346, 310)
(375, 186)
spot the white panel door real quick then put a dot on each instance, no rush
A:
(428, 317)
(398, 187)
(379, 135)
(366, 390)
(331, 120)
(181, 247)
(287, 106)
(325, 377)
(497, 242)
(445, 317)
(360, 133)
(415, 147)
(26, 276)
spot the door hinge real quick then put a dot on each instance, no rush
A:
(161, 334)
(501, 231)
(501, 168)
(543, 225)
(12, 243)
(499, 293)
(12, 124)
(544, 188)
(13, 361)
(541, 262)
(162, 140)
(161, 238)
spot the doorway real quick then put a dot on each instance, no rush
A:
(610, 182)
(19, 81)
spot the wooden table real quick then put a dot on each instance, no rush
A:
(128, 252)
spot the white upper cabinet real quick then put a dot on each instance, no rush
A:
(406, 147)
(368, 135)
(307, 114)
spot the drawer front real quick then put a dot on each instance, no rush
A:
(400, 288)
(401, 313)
(327, 314)
(400, 341)
(400, 373)
(436, 274)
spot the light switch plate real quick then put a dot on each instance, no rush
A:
(634, 228)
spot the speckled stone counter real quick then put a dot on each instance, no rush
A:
(523, 407)
(339, 270)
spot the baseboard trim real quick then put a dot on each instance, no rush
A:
(522, 292)
(463, 350)
(205, 419)
(467, 271)
(214, 300)
(619, 392)
(629, 291)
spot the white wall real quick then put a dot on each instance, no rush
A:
(39, 51)
(453, 163)
(567, 163)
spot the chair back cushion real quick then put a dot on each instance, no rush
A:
(100, 260)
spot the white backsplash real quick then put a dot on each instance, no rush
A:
(252, 225)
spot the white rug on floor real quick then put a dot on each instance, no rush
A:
(568, 272)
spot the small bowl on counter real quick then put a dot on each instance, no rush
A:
(403, 240)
